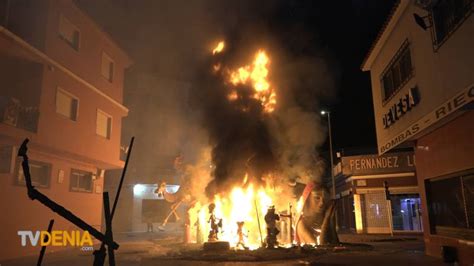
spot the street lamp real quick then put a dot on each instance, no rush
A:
(324, 112)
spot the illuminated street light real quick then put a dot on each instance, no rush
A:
(324, 112)
(138, 190)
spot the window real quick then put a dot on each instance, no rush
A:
(406, 214)
(40, 174)
(468, 185)
(104, 124)
(81, 181)
(69, 33)
(397, 73)
(66, 104)
(451, 205)
(447, 16)
(107, 69)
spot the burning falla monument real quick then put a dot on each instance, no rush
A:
(262, 157)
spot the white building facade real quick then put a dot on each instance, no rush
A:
(422, 73)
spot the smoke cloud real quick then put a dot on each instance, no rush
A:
(280, 146)
(173, 40)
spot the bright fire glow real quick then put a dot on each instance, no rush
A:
(233, 96)
(220, 46)
(299, 205)
(256, 74)
(248, 202)
(241, 204)
(319, 235)
(246, 178)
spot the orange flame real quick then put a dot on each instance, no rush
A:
(233, 96)
(220, 46)
(257, 75)
(241, 204)
(237, 206)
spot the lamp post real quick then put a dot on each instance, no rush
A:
(323, 112)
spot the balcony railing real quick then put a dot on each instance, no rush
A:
(13, 113)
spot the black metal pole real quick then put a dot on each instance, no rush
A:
(99, 255)
(43, 248)
(108, 227)
(258, 222)
(66, 214)
(34, 194)
(122, 178)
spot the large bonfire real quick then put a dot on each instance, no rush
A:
(246, 201)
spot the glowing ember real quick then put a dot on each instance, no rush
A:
(233, 96)
(219, 48)
(216, 67)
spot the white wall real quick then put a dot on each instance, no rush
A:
(438, 75)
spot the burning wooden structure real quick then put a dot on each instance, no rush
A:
(250, 202)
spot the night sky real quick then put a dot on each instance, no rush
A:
(341, 31)
(347, 29)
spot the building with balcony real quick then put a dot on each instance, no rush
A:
(422, 71)
(62, 87)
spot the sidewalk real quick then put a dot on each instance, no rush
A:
(400, 249)
(369, 238)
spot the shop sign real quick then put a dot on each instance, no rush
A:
(401, 107)
(378, 164)
(461, 99)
